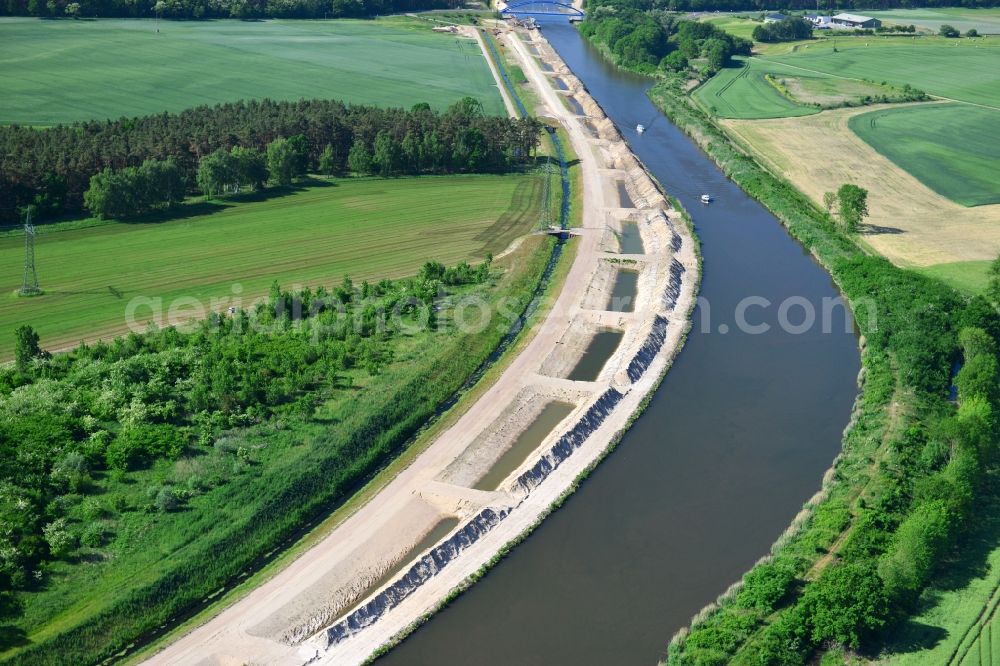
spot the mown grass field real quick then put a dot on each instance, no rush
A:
(985, 20)
(961, 69)
(369, 228)
(743, 92)
(739, 25)
(61, 71)
(968, 277)
(951, 148)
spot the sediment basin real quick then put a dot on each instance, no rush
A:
(596, 355)
(736, 438)
(623, 195)
(525, 444)
(630, 239)
(624, 291)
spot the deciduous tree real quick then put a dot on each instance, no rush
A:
(853, 205)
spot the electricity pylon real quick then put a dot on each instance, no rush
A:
(29, 285)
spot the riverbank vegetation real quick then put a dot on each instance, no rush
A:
(135, 164)
(151, 471)
(899, 498)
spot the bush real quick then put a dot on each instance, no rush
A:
(166, 500)
(847, 603)
(949, 31)
(137, 443)
(93, 536)
(61, 542)
(766, 584)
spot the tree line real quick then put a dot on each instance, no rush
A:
(788, 29)
(52, 168)
(206, 9)
(649, 40)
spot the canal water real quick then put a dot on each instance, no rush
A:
(733, 442)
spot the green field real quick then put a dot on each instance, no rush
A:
(969, 277)
(986, 20)
(965, 70)
(958, 620)
(61, 71)
(739, 25)
(951, 148)
(743, 92)
(369, 228)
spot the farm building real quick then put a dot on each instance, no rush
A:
(854, 21)
(774, 17)
(819, 22)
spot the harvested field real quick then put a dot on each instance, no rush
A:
(909, 223)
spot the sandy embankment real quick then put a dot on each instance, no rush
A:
(309, 612)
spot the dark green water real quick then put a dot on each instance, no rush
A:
(600, 349)
(527, 441)
(623, 292)
(631, 239)
(626, 200)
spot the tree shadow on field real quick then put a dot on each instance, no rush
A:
(969, 560)
(11, 637)
(190, 209)
(876, 230)
(182, 211)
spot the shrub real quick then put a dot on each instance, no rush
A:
(766, 584)
(93, 536)
(166, 500)
(846, 603)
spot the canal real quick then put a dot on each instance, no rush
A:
(736, 438)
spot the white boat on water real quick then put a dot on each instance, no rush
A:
(640, 129)
(706, 198)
